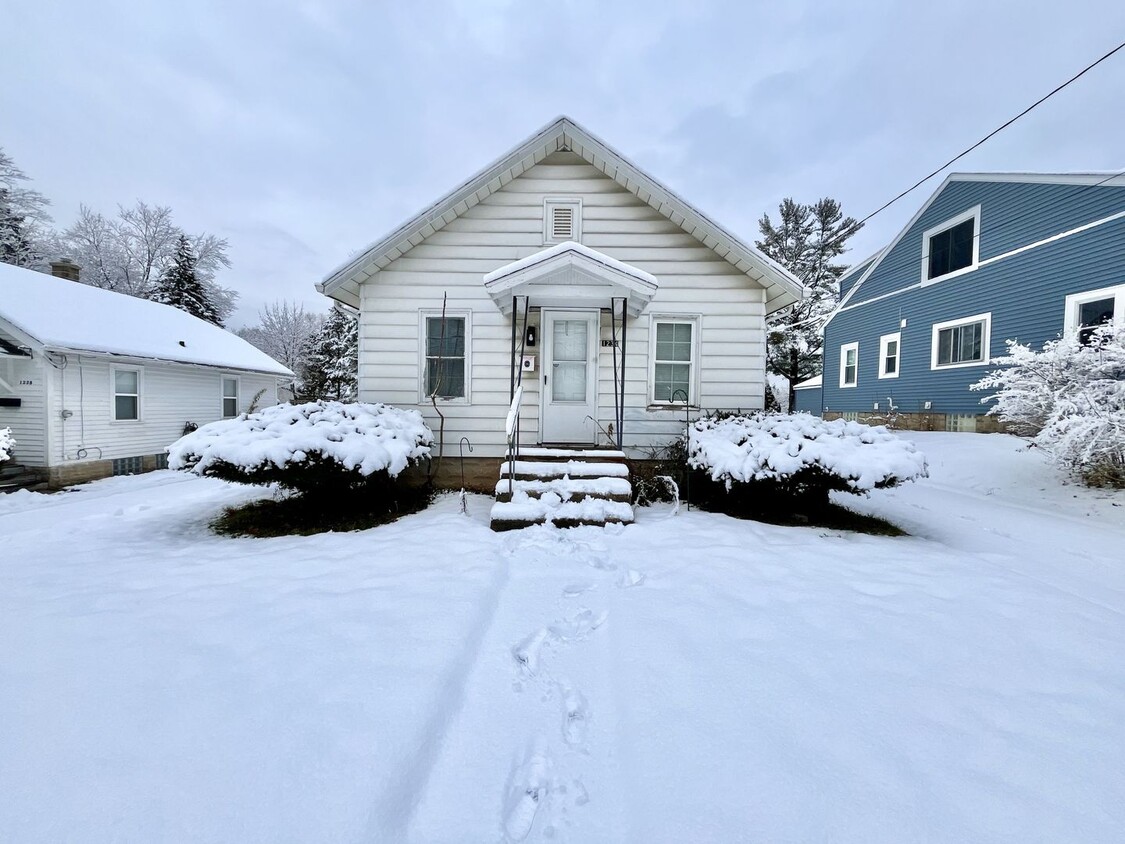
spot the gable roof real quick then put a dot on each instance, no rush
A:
(70, 316)
(564, 134)
(1091, 178)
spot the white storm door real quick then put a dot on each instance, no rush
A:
(569, 385)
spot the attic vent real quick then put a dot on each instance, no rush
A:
(562, 220)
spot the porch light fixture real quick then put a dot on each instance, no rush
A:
(530, 335)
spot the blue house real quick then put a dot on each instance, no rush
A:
(989, 257)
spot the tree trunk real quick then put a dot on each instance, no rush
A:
(794, 374)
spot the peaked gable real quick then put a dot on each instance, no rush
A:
(564, 135)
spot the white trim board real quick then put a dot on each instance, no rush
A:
(972, 214)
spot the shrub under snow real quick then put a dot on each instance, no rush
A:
(7, 441)
(325, 447)
(1070, 397)
(799, 456)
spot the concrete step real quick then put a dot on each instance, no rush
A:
(512, 515)
(533, 469)
(560, 455)
(568, 489)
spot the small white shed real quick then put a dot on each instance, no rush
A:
(94, 383)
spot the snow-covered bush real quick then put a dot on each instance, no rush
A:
(7, 442)
(1070, 397)
(325, 448)
(772, 461)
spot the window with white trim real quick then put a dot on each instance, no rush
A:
(562, 219)
(445, 368)
(849, 364)
(961, 342)
(1090, 310)
(230, 396)
(126, 394)
(890, 353)
(674, 361)
(951, 247)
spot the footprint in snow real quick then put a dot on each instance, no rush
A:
(580, 625)
(526, 653)
(576, 715)
(573, 590)
(631, 578)
(529, 793)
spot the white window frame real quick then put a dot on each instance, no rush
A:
(450, 313)
(972, 214)
(985, 341)
(223, 395)
(552, 202)
(694, 320)
(884, 342)
(1076, 300)
(844, 349)
(113, 394)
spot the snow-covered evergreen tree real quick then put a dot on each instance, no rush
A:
(181, 288)
(805, 240)
(1070, 397)
(333, 359)
(23, 218)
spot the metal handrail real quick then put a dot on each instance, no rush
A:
(512, 435)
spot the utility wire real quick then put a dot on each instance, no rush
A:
(990, 135)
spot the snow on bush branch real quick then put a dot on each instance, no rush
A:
(802, 450)
(1070, 397)
(7, 441)
(306, 446)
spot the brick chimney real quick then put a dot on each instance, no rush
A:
(65, 268)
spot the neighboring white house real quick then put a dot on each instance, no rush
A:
(94, 383)
(567, 269)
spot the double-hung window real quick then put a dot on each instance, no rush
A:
(1087, 312)
(849, 364)
(961, 342)
(673, 361)
(126, 394)
(890, 353)
(952, 246)
(230, 396)
(445, 373)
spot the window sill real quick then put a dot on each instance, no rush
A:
(926, 282)
(849, 386)
(883, 377)
(679, 405)
(936, 367)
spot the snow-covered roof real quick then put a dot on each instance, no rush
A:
(69, 316)
(808, 383)
(782, 287)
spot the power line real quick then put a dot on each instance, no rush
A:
(990, 135)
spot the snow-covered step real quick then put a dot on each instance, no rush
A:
(524, 511)
(531, 469)
(567, 489)
(591, 455)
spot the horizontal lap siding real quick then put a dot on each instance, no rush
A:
(507, 226)
(171, 396)
(1026, 295)
(28, 421)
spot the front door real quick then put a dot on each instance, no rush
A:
(569, 388)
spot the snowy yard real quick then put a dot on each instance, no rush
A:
(687, 678)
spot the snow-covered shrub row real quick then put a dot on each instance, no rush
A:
(801, 455)
(7, 442)
(317, 446)
(1070, 397)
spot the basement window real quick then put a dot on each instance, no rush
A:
(128, 465)
(562, 220)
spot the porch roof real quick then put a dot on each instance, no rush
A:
(570, 275)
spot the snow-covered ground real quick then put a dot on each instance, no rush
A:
(686, 678)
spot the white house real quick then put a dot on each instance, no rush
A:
(94, 383)
(564, 268)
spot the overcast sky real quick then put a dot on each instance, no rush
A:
(302, 131)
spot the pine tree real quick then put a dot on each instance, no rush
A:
(804, 241)
(23, 217)
(181, 288)
(333, 360)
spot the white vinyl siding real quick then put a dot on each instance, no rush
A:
(890, 355)
(849, 364)
(28, 378)
(961, 342)
(172, 395)
(230, 396)
(507, 226)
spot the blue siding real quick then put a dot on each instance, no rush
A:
(850, 277)
(1013, 214)
(808, 401)
(1025, 294)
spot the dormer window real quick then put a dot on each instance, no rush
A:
(562, 220)
(952, 247)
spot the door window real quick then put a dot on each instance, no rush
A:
(569, 348)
